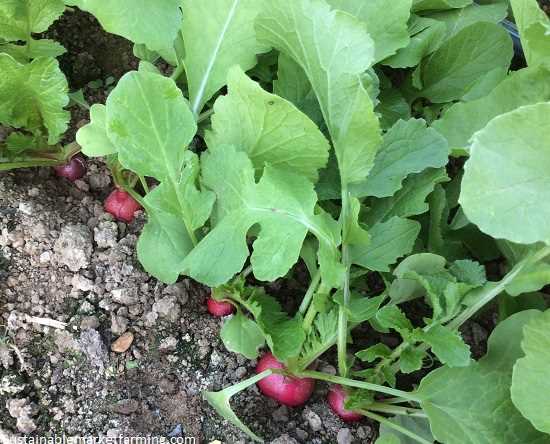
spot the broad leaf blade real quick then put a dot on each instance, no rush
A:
(505, 185)
(33, 96)
(388, 31)
(20, 18)
(227, 38)
(269, 129)
(447, 394)
(530, 382)
(93, 137)
(334, 50)
(154, 24)
(533, 25)
(525, 87)
(242, 335)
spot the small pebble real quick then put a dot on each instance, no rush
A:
(123, 343)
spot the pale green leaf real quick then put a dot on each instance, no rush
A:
(388, 31)
(374, 352)
(44, 48)
(448, 346)
(93, 137)
(227, 38)
(334, 50)
(242, 335)
(268, 129)
(426, 36)
(426, 5)
(409, 200)
(33, 96)
(472, 405)
(154, 24)
(408, 147)
(411, 360)
(389, 241)
(391, 316)
(464, 61)
(531, 377)
(533, 24)
(20, 18)
(419, 426)
(282, 203)
(505, 184)
(525, 87)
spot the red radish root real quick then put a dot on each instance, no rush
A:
(287, 390)
(72, 170)
(121, 205)
(219, 308)
(336, 399)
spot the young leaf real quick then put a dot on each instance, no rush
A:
(18, 19)
(388, 31)
(242, 335)
(220, 402)
(408, 147)
(524, 87)
(533, 25)
(267, 128)
(33, 96)
(509, 162)
(388, 241)
(448, 346)
(321, 337)
(391, 316)
(227, 38)
(154, 24)
(360, 308)
(466, 60)
(409, 200)
(282, 203)
(530, 384)
(426, 36)
(411, 360)
(334, 49)
(93, 137)
(492, 417)
(374, 352)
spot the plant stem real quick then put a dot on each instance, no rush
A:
(359, 384)
(205, 115)
(396, 427)
(144, 184)
(342, 340)
(396, 410)
(492, 290)
(310, 292)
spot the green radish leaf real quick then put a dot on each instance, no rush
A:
(360, 308)
(374, 352)
(510, 163)
(448, 346)
(242, 335)
(220, 402)
(411, 360)
(154, 24)
(227, 38)
(269, 129)
(18, 19)
(477, 53)
(533, 25)
(525, 87)
(33, 96)
(426, 5)
(410, 200)
(530, 384)
(93, 137)
(44, 48)
(469, 272)
(391, 316)
(334, 49)
(150, 124)
(408, 147)
(282, 203)
(321, 337)
(426, 36)
(419, 426)
(493, 417)
(388, 31)
(388, 242)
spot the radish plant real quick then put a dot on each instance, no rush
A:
(316, 134)
(33, 90)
